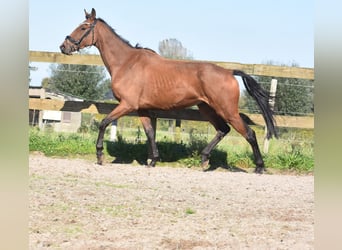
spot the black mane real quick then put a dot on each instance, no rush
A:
(137, 46)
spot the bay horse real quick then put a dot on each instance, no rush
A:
(142, 80)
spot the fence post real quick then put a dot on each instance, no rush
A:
(273, 90)
(113, 130)
(178, 131)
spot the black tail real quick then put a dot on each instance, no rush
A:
(262, 97)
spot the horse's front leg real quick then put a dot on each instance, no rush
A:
(119, 111)
(145, 119)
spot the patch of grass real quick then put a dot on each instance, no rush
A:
(73, 230)
(294, 160)
(189, 211)
(61, 144)
(242, 158)
(293, 151)
(192, 161)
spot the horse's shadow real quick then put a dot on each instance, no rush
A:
(227, 167)
(127, 152)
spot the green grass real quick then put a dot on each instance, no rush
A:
(292, 152)
(61, 144)
(189, 211)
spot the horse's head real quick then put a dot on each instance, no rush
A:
(83, 36)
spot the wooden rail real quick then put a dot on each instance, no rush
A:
(183, 114)
(252, 69)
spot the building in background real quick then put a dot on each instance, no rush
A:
(60, 121)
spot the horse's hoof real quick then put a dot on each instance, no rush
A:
(100, 159)
(152, 164)
(205, 164)
(259, 170)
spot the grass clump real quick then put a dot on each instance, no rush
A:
(189, 211)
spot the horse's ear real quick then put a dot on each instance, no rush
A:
(92, 15)
(87, 15)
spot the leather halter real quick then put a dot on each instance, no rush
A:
(78, 42)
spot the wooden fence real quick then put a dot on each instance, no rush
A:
(252, 69)
(185, 114)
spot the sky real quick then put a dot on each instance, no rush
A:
(216, 30)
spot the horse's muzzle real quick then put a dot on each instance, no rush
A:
(66, 49)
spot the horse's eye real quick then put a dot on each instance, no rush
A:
(83, 28)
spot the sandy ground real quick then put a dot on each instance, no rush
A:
(76, 204)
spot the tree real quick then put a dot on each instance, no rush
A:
(293, 97)
(46, 83)
(172, 48)
(83, 81)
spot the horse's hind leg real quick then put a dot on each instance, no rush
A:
(249, 134)
(221, 127)
(149, 131)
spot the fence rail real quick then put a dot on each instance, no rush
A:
(252, 69)
(184, 114)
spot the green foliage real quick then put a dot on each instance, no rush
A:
(296, 152)
(293, 97)
(82, 81)
(60, 144)
(194, 160)
(190, 211)
(242, 158)
(196, 142)
(294, 160)
(88, 124)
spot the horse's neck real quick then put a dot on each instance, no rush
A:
(114, 52)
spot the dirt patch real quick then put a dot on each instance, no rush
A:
(76, 204)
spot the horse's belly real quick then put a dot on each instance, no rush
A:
(171, 100)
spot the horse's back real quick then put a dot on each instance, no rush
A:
(167, 84)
